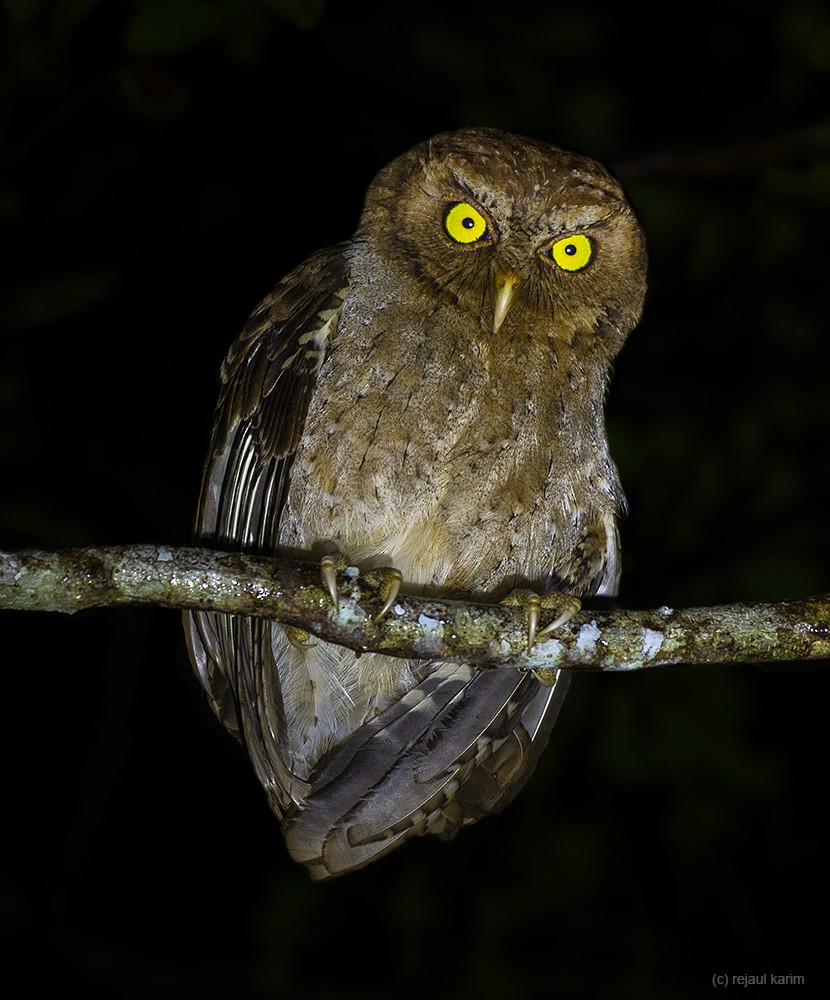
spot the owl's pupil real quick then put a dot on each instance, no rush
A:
(570, 249)
(468, 223)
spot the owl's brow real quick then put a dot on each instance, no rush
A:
(429, 191)
(465, 186)
(483, 199)
(557, 210)
(609, 190)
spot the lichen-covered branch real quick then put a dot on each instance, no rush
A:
(486, 636)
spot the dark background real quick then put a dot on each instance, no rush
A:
(162, 165)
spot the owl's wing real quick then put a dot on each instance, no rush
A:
(268, 378)
(457, 747)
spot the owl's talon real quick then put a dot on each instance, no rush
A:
(533, 608)
(390, 589)
(328, 571)
(572, 606)
(298, 637)
(565, 604)
(545, 676)
(388, 581)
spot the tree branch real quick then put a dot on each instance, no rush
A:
(486, 636)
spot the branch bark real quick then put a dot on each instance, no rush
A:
(486, 636)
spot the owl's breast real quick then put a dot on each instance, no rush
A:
(419, 452)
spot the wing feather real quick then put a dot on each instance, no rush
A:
(457, 747)
(267, 381)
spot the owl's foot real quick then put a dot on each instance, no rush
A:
(388, 581)
(564, 607)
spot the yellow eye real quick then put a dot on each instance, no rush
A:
(572, 253)
(464, 223)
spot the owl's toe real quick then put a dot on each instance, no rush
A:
(388, 580)
(564, 606)
(329, 565)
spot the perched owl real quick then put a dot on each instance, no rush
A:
(427, 396)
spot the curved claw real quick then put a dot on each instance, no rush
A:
(533, 608)
(567, 613)
(328, 571)
(565, 604)
(391, 588)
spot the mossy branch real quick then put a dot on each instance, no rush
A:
(487, 636)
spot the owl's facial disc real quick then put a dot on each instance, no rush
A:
(506, 285)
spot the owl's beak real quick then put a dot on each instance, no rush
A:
(506, 285)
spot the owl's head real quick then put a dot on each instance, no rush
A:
(529, 240)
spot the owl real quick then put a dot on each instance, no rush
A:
(427, 396)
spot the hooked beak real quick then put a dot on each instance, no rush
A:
(506, 285)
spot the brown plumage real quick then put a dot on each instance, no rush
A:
(428, 395)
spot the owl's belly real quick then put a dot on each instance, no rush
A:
(464, 474)
(481, 520)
